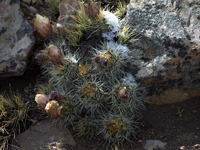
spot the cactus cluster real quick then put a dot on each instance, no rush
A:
(94, 93)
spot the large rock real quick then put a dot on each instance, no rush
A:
(16, 39)
(42, 134)
(167, 55)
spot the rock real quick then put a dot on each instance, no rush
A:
(40, 2)
(167, 56)
(41, 134)
(33, 10)
(16, 39)
(154, 144)
(182, 148)
(27, 1)
(34, 1)
(150, 148)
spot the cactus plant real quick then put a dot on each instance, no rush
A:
(91, 90)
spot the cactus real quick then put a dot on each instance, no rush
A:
(91, 90)
(116, 127)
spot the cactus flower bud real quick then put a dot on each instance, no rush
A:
(41, 100)
(92, 9)
(123, 93)
(54, 95)
(53, 109)
(54, 53)
(42, 25)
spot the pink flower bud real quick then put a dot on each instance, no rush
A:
(53, 109)
(41, 100)
(123, 93)
(42, 25)
(54, 95)
(54, 53)
(92, 9)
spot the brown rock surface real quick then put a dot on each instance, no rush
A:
(41, 134)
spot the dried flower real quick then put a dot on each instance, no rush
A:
(92, 9)
(53, 109)
(41, 100)
(102, 62)
(89, 90)
(83, 70)
(123, 93)
(54, 53)
(42, 25)
(115, 127)
(54, 95)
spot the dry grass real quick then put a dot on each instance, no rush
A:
(13, 116)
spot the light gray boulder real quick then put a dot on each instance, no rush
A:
(16, 39)
(167, 55)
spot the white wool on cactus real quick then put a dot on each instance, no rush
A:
(129, 80)
(114, 25)
(119, 49)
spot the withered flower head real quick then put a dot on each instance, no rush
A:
(53, 109)
(54, 95)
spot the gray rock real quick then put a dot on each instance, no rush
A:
(42, 134)
(155, 144)
(166, 57)
(16, 39)
(27, 1)
(33, 10)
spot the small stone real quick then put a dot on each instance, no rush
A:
(197, 145)
(34, 1)
(197, 128)
(150, 148)
(140, 141)
(31, 97)
(33, 10)
(40, 2)
(182, 148)
(155, 144)
(194, 111)
(27, 1)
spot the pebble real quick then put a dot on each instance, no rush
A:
(33, 10)
(194, 111)
(197, 145)
(140, 141)
(31, 97)
(27, 1)
(34, 1)
(155, 144)
(150, 148)
(182, 148)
